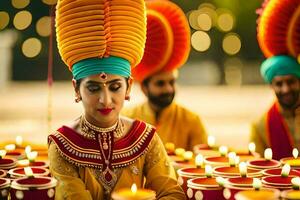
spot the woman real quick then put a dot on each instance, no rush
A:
(101, 151)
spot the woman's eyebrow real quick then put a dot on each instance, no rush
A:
(107, 82)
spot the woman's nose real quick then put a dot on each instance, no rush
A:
(105, 98)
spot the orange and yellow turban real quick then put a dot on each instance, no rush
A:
(168, 39)
(279, 28)
(97, 36)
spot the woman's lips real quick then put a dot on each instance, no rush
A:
(105, 111)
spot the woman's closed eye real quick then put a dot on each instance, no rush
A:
(114, 87)
(93, 88)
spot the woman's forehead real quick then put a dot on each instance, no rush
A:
(104, 77)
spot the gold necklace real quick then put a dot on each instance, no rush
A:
(89, 130)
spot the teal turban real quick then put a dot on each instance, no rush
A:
(109, 65)
(279, 66)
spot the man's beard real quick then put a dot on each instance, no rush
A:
(161, 101)
(290, 104)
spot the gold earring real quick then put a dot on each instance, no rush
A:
(127, 98)
(77, 99)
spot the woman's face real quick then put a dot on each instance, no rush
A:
(103, 98)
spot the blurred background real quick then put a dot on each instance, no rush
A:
(220, 81)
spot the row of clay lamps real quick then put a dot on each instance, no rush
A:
(22, 178)
(222, 175)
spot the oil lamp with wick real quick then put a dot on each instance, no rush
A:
(133, 194)
(205, 187)
(282, 181)
(6, 163)
(218, 160)
(264, 163)
(184, 174)
(294, 193)
(33, 187)
(294, 161)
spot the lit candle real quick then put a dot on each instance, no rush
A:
(295, 153)
(2, 153)
(268, 154)
(223, 150)
(32, 156)
(19, 141)
(296, 183)
(10, 147)
(199, 161)
(134, 194)
(28, 172)
(221, 181)
(256, 184)
(211, 141)
(27, 149)
(243, 169)
(231, 158)
(251, 147)
(208, 171)
(179, 152)
(188, 155)
(285, 170)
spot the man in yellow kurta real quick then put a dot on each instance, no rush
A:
(279, 127)
(167, 48)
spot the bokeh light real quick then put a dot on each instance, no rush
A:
(50, 2)
(31, 47)
(4, 19)
(22, 20)
(193, 19)
(233, 71)
(204, 22)
(19, 4)
(43, 26)
(231, 43)
(226, 20)
(200, 41)
(210, 10)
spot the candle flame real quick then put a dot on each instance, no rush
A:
(231, 158)
(296, 182)
(19, 140)
(243, 169)
(268, 154)
(221, 181)
(179, 151)
(211, 140)
(237, 160)
(10, 147)
(24, 162)
(256, 183)
(134, 188)
(27, 149)
(199, 160)
(32, 155)
(295, 153)
(28, 171)
(285, 170)
(223, 150)
(188, 155)
(2, 153)
(208, 171)
(251, 147)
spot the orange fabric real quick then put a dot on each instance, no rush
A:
(168, 39)
(100, 28)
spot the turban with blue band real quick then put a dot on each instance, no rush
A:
(279, 66)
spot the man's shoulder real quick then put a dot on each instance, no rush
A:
(185, 111)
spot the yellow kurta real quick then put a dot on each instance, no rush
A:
(176, 124)
(259, 132)
(152, 170)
